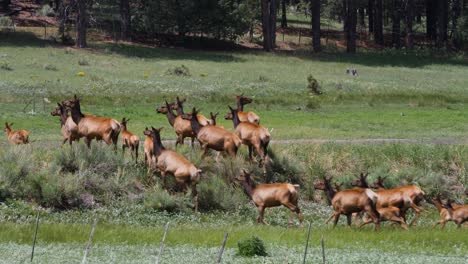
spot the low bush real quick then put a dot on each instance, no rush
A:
(181, 70)
(250, 247)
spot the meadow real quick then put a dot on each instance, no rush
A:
(398, 94)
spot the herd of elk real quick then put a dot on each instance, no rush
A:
(17, 137)
(93, 127)
(380, 205)
(403, 197)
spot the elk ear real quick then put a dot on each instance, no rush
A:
(59, 104)
(230, 108)
(11, 124)
(146, 128)
(161, 128)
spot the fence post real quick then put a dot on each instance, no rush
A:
(35, 236)
(220, 255)
(88, 245)
(323, 251)
(161, 249)
(307, 243)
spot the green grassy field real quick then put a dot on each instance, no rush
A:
(396, 95)
(413, 95)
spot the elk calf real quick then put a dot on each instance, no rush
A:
(181, 126)
(459, 214)
(17, 137)
(169, 161)
(148, 148)
(129, 140)
(390, 213)
(271, 195)
(178, 105)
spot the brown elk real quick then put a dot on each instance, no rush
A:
(444, 213)
(17, 137)
(213, 118)
(169, 161)
(271, 195)
(178, 105)
(68, 127)
(93, 127)
(458, 213)
(351, 201)
(148, 148)
(390, 213)
(253, 136)
(402, 197)
(181, 126)
(214, 137)
(129, 140)
(249, 116)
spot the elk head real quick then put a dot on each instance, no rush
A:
(241, 99)
(124, 122)
(213, 118)
(379, 183)
(8, 127)
(361, 181)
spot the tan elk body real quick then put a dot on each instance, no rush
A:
(17, 137)
(129, 140)
(271, 195)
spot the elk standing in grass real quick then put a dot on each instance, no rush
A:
(249, 116)
(129, 140)
(253, 136)
(214, 137)
(444, 213)
(178, 105)
(93, 127)
(415, 194)
(351, 201)
(181, 126)
(17, 137)
(68, 127)
(169, 161)
(271, 195)
(148, 148)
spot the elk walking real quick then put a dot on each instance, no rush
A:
(351, 201)
(169, 161)
(68, 128)
(249, 116)
(271, 195)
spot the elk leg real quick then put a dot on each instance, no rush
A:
(400, 221)
(348, 219)
(294, 209)
(65, 141)
(329, 218)
(261, 210)
(88, 142)
(163, 177)
(195, 197)
(250, 153)
(417, 211)
(337, 217)
(192, 144)
(136, 154)
(365, 223)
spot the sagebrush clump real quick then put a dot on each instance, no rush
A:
(250, 247)
(181, 70)
(313, 85)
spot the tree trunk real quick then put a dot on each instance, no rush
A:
(409, 24)
(81, 24)
(266, 25)
(442, 20)
(378, 23)
(273, 16)
(125, 23)
(456, 13)
(396, 20)
(351, 22)
(284, 20)
(6, 4)
(316, 25)
(362, 17)
(431, 19)
(370, 13)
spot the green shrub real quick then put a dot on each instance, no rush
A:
(160, 200)
(283, 167)
(46, 10)
(215, 194)
(313, 85)
(251, 247)
(6, 22)
(50, 67)
(83, 62)
(181, 70)
(4, 65)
